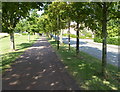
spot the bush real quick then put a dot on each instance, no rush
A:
(89, 35)
(97, 39)
(72, 36)
(24, 33)
(82, 37)
(65, 34)
(112, 40)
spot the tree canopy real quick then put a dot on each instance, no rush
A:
(14, 12)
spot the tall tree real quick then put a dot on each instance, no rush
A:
(79, 16)
(67, 13)
(12, 14)
(55, 11)
(101, 13)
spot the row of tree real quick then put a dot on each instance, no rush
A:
(94, 16)
(58, 16)
(30, 24)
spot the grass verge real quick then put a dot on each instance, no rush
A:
(8, 56)
(86, 69)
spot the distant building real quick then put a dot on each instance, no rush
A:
(72, 31)
(82, 32)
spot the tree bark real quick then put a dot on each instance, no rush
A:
(61, 33)
(58, 26)
(69, 34)
(57, 42)
(77, 39)
(29, 36)
(47, 34)
(55, 36)
(52, 34)
(104, 46)
(12, 41)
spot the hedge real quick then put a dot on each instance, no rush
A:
(112, 40)
(74, 36)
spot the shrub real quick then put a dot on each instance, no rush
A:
(112, 40)
(89, 35)
(83, 37)
(24, 33)
(72, 36)
(97, 39)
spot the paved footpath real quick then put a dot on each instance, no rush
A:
(38, 68)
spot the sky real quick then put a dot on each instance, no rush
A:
(40, 12)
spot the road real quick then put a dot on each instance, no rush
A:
(95, 49)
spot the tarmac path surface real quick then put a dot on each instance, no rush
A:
(39, 68)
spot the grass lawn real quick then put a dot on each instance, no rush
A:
(86, 69)
(8, 56)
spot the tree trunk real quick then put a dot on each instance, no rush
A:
(12, 42)
(38, 35)
(58, 26)
(29, 36)
(55, 36)
(61, 33)
(69, 34)
(104, 46)
(57, 42)
(52, 34)
(77, 39)
(47, 34)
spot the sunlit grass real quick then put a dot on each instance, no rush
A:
(86, 69)
(8, 56)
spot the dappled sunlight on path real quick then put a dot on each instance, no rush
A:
(38, 69)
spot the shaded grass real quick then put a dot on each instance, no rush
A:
(8, 56)
(86, 69)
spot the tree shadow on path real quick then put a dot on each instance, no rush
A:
(38, 69)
